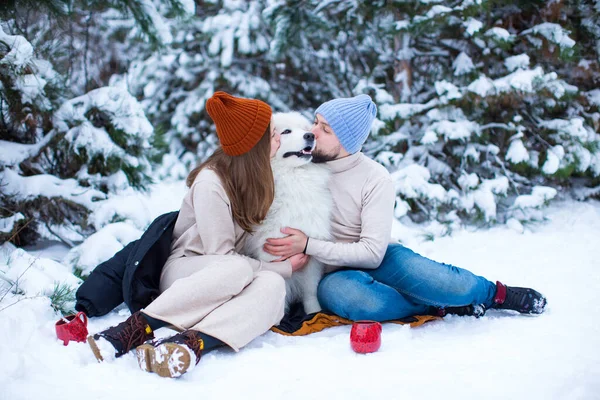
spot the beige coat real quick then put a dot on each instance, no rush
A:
(206, 285)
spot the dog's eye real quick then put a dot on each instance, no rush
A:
(286, 132)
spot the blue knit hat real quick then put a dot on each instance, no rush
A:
(350, 118)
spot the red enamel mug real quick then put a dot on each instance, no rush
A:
(72, 327)
(365, 336)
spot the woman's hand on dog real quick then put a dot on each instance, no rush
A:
(285, 247)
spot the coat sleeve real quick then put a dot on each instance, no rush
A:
(102, 291)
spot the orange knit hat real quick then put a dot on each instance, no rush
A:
(240, 122)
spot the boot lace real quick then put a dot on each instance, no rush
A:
(130, 333)
(194, 342)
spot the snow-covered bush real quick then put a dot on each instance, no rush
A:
(490, 107)
(59, 158)
(24, 276)
(223, 48)
(480, 101)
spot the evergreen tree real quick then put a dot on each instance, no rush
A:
(223, 48)
(59, 157)
(489, 115)
(487, 108)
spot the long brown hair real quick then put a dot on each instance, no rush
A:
(247, 179)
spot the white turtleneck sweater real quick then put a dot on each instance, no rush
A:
(363, 196)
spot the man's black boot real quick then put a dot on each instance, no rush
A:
(523, 300)
(477, 310)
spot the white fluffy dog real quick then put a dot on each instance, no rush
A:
(302, 201)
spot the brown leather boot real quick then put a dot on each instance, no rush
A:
(119, 340)
(171, 357)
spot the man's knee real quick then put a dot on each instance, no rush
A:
(350, 294)
(341, 284)
(363, 308)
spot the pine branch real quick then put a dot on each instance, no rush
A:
(62, 298)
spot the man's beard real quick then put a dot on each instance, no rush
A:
(321, 157)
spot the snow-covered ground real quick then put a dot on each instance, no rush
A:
(500, 356)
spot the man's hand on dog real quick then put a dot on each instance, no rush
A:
(298, 261)
(288, 246)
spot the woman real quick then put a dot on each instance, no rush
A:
(209, 292)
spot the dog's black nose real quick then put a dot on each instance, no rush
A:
(309, 136)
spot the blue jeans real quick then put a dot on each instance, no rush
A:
(405, 284)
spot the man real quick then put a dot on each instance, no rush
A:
(381, 280)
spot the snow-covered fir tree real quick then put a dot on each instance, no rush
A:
(222, 48)
(488, 120)
(65, 148)
(487, 109)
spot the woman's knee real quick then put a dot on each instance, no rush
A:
(271, 282)
(233, 270)
(231, 273)
(272, 288)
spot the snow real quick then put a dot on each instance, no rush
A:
(499, 34)
(538, 197)
(583, 156)
(157, 22)
(31, 187)
(30, 87)
(12, 153)
(553, 32)
(381, 95)
(462, 64)
(472, 26)
(125, 112)
(451, 130)
(21, 51)
(433, 12)
(401, 110)
(87, 138)
(553, 157)
(468, 181)
(519, 80)
(515, 225)
(546, 357)
(594, 96)
(412, 182)
(189, 6)
(516, 62)
(484, 197)
(525, 80)
(571, 128)
(7, 224)
(447, 89)
(481, 86)
(34, 274)
(101, 246)
(517, 152)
